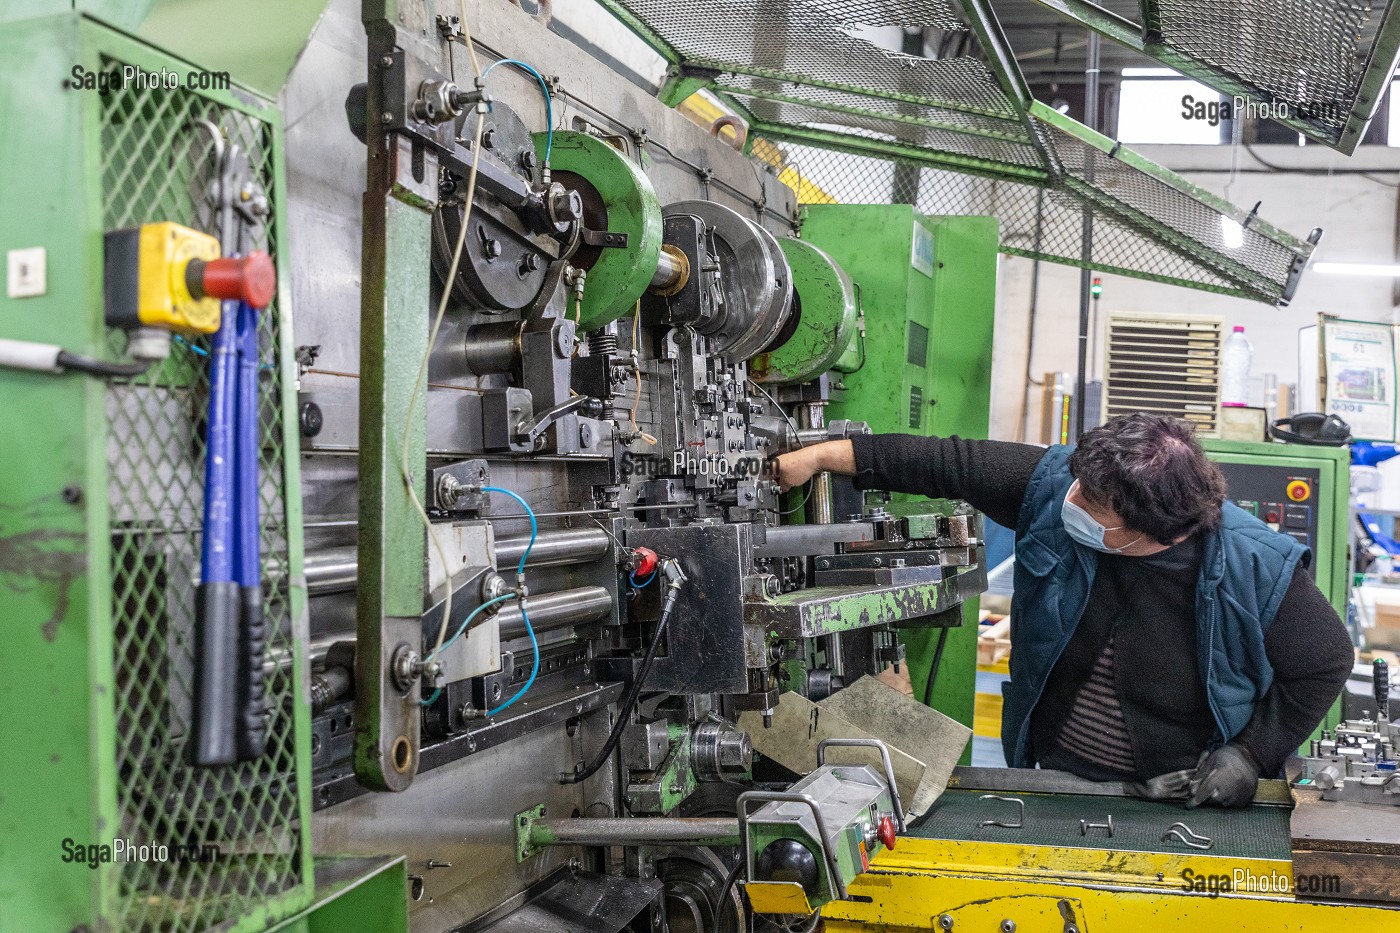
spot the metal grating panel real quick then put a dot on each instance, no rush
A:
(155, 168)
(1036, 222)
(1320, 66)
(804, 78)
(1168, 364)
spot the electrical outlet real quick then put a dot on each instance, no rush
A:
(27, 274)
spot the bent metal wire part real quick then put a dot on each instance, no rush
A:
(868, 125)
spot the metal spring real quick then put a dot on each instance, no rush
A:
(601, 342)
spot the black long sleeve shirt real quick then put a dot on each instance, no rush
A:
(1146, 606)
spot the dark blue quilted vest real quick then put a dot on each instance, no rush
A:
(1245, 570)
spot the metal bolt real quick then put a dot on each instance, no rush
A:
(945, 922)
(72, 494)
(878, 562)
(1008, 926)
(488, 137)
(492, 248)
(387, 60)
(434, 863)
(530, 262)
(823, 564)
(386, 116)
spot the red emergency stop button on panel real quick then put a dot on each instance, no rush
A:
(250, 278)
(886, 832)
(1299, 490)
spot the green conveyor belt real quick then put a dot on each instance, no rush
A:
(1258, 832)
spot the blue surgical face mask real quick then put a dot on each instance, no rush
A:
(1086, 529)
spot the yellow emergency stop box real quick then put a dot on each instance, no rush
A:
(148, 283)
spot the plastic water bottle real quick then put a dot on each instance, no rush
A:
(1234, 372)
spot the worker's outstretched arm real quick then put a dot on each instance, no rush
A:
(991, 475)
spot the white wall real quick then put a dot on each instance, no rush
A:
(1358, 217)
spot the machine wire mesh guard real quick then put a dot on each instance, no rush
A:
(1320, 66)
(158, 166)
(868, 125)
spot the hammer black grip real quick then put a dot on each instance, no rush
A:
(252, 686)
(213, 730)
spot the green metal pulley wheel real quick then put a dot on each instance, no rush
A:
(617, 198)
(822, 326)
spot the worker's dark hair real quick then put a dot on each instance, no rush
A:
(1151, 470)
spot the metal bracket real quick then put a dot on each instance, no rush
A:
(604, 239)
(528, 433)
(1020, 813)
(885, 760)
(457, 487)
(1106, 825)
(524, 823)
(1183, 832)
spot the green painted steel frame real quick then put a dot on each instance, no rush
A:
(1380, 66)
(55, 549)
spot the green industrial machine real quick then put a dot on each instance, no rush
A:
(927, 289)
(1303, 492)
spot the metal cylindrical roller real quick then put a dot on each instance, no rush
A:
(556, 610)
(672, 272)
(493, 347)
(822, 324)
(555, 548)
(605, 831)
(335, 570)
(755, 280)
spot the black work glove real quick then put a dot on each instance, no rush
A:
(1226, 777)
(1174, 785)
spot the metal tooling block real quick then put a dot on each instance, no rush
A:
(824, 610)
(704, 650)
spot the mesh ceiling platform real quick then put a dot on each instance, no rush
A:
(862, 124)
(1320, 67)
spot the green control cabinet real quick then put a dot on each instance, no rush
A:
(927, 289)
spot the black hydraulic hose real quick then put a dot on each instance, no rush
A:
(730, 880)
(673, 588)
(86, 364)
(933, 668)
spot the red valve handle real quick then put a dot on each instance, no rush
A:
(886, 832)
(250, 278)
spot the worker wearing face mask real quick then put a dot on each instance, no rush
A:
(1160, 635)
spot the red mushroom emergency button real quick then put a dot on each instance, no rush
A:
(250, 278)
(886, 832)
